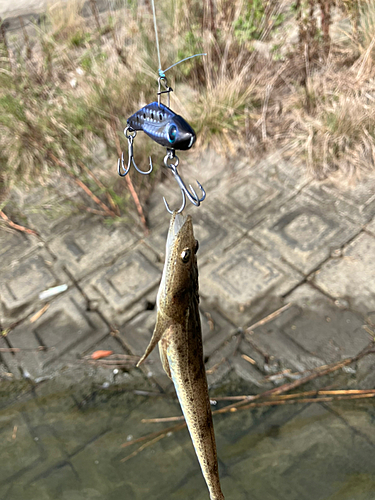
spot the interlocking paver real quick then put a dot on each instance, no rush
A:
(351, 277)
(304, 454)
(16, 459)
(291, 176)
(215, 329)
(356, 202)
(371, 227)
(90, 245)
(21, 285)
(121, 291)
(324, 329)
(238, 282)
(14, 246)
(313, 332)
(66, 330)
(305, 231)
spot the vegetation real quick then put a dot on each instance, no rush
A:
(295, 76)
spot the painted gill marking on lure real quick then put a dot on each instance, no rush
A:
(178, 332)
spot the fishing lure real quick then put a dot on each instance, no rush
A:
(168, 129)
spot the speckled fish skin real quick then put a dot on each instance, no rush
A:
(178, 331)
(164, 126)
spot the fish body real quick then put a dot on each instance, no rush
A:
(178, 332)
(164, 126)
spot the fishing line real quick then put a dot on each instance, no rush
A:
(156, 34)
(161, 71)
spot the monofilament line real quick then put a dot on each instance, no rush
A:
(156, 33)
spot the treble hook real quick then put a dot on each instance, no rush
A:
(193, 198)
(130, 135)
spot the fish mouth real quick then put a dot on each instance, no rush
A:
(176, 224)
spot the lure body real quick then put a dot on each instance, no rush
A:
(164, 126)
(178, 332)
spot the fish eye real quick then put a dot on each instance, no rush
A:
(185, 255)
(196, 246)
(172, 133)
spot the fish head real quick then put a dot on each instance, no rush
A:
(180, 274)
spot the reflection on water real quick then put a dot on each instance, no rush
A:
(67, 445)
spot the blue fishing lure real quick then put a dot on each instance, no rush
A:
(164, 126)
(168, 129)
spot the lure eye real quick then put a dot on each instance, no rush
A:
(185, 255)
(172, 133)
(196, 246)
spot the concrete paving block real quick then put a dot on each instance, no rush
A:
(136, 335)
(351, 277)
(220, 363)
(90, 245)
(124, 289)
(14, 246)
(280, 351)
(21, 285)
(239, 282)
(215, 329)
(371, 227)
(287, 175)
(60, 481)
(55, 216)
(305, 232)
(66, 331)
(247, 371)
(312, 456)
(322, 328)
(356, 202)
(16, 459)
(157, 214)
(244, 199)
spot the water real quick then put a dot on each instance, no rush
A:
(66, 444)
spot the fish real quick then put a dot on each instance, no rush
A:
(164, 126)
(179, 335)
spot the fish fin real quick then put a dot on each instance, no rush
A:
(156, 336)
(164, 358)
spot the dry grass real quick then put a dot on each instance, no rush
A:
(82, 82)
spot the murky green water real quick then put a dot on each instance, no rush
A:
(67, 445)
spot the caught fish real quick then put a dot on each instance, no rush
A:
(164, 126)
(178, 332)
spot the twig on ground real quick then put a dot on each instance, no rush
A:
(163, 432)
(99, 183)
(83, 186)
(38, 314)
(268, 318)
(303, 394)
(17, 227)
(20, 349)
(282, 400)
(297, 383)
(240, 404)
